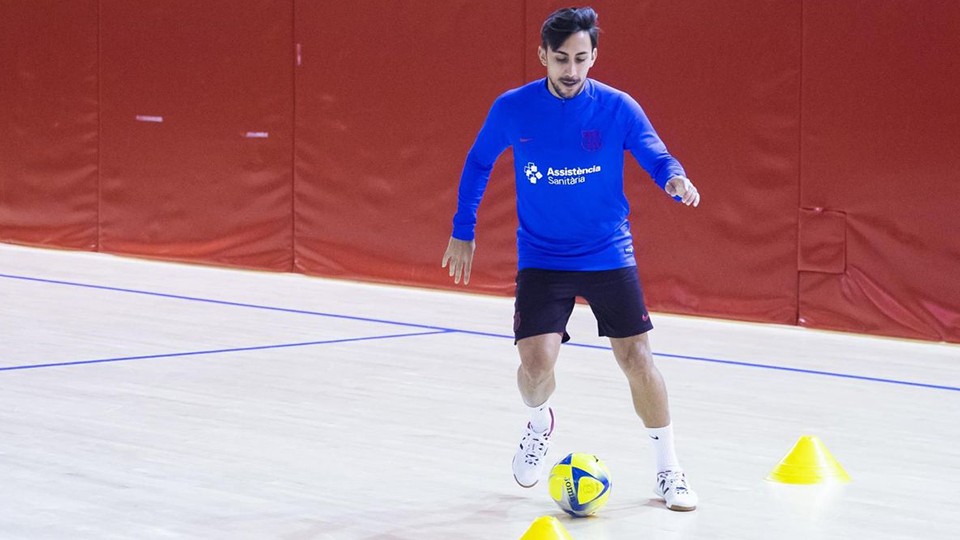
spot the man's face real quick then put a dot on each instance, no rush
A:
(567, 66)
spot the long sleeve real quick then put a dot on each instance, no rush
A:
(647, 148)
(490, 143)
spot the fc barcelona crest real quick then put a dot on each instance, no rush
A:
(590, 140)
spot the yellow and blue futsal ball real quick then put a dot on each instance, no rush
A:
(580, 484)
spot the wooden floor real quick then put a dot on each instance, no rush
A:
(151, 400)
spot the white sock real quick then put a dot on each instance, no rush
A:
(662, 439)
(540, 417)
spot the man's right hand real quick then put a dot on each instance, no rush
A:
(459, 259)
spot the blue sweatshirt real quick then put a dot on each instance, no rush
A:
(568, 160)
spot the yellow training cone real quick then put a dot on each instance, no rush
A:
(546, 528)
(809, 462)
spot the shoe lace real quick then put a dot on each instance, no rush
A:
(534, 446)
(673, 480)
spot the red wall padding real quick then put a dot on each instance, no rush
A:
(822, 135)
(881, 145)
(212, 182)
(389, 99)
(48, 123)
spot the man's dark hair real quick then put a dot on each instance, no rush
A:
(565, 22)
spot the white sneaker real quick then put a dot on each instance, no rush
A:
(529, 460)
(673, 489)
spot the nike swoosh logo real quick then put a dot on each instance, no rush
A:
(523, 140)
(646, 317)
(654, 437)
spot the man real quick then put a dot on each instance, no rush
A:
(568, 135)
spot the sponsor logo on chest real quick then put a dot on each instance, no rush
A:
(565, 176)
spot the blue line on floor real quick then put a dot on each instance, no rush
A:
(786, 368)
(221, 302)
(436, 330)
(217, 351)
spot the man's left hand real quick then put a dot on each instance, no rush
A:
(681, 186)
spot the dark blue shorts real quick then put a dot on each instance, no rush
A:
(545, 300)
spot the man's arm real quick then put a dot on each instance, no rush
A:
(490, 143)
(648, 149)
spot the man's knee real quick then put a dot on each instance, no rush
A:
(538, 355)
(634, 354)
